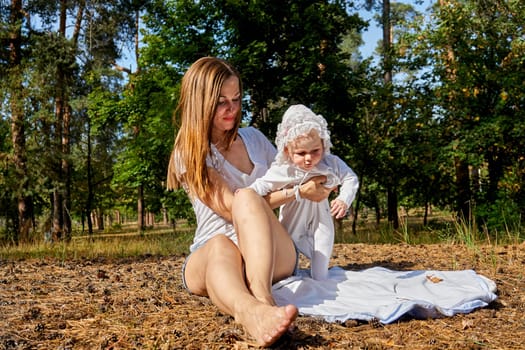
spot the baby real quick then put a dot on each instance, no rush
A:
(303, 151)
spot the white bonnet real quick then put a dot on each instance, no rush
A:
(300, 120)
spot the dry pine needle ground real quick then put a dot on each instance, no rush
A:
(140, 304)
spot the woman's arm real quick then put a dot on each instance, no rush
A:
(313, 190)
(220, 196)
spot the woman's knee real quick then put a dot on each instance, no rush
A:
(220, 244)
(248, 202)
(217, 250)
(222, 250)
(244, 196)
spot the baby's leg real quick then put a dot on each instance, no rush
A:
(323, 246)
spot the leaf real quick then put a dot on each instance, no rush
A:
(434, 279)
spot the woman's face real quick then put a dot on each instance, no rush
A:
(229, 105)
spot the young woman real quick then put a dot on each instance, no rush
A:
(240, 249)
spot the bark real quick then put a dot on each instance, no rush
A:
(58, 223)
(387, 42)
(377, 210)
(19, 157)
(90, 194)
(66, 142)
(137, 39)
(58, 199)
(392, 201)
(66, 171)
(140, 209)
(357, 205)
(57, 215)
(495, 167)
(165, 220)
(425, 216)
(100, 219)
(392, 204)
(62, 198)
(463, 192)
(463, 189)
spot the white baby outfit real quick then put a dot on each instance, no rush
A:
(310, 224)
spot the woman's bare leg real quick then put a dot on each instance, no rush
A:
(268, 251)
(216, 270)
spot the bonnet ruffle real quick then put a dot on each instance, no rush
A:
(299, 120)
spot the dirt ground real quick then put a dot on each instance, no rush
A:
(140, 304)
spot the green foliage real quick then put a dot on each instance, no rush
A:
(290, 55)
(457, 97)
(477, 47)
(145, 113)
(178, 32)
(179, 206)
(286, 52)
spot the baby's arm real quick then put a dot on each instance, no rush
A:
(338, 208)
(272, 180)
(349, 184)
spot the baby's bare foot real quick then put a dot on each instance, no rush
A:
(267, 323)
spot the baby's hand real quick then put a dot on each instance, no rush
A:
(338, 208)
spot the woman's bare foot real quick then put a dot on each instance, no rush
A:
(267, 323)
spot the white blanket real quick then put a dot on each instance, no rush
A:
(386, 295)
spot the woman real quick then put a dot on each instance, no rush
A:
(240, 248)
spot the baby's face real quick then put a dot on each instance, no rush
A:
(306, 151)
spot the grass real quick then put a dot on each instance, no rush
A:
(125, 242)
(157, 242)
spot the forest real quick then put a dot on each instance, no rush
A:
(434, 119)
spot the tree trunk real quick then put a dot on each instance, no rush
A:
(140, 210)
(62, 201)
(57, 215)
(387, 43)
(58, 198)
(393, 216)
(377, 210)
(19, 158)
(58, 219)
(357, 205)
(463, 195)
(66, 171)
(463, 189)
(356, 213)
(425, 216)
(495, 167)
(90, 194)
(165, 220)
(100, 219)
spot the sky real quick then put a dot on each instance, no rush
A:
(370, 36)
(374, 33)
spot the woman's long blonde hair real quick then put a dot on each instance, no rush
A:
(199, 96)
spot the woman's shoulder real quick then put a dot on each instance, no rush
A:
(253, 135)
(257, 144)
(251, 131)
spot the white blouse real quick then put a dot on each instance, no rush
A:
(261, 153)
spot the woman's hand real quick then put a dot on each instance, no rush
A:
(314, 189)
